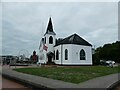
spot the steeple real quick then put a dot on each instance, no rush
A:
(50, 28)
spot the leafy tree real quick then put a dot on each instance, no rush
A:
(107, 52)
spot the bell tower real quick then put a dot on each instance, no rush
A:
(50, 37)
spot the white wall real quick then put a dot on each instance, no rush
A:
(44, 57)
(74, 54)
(59, 49)
(69, 48)
(50, 46)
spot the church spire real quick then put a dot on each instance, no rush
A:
(50, 28)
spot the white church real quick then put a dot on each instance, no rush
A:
(72, 50)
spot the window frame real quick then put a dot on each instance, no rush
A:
(50, 40)
(54, 55)
(45, 40)
(57, 54)
(66, 54)
(82, 54)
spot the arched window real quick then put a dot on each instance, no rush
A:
(54, 55)
(45, 40)
(57, 55)
(82, 55)
(50, 40)
(66, 54)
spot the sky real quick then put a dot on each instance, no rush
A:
(24, 23)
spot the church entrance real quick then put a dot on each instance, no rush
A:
(50, 56)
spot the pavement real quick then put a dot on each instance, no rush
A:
(105, 82)
(6, 84)
(101, 82)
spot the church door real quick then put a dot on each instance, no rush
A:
(49, 58)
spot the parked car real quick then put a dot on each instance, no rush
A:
(110, 62)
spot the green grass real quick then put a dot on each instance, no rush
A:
(70, 74)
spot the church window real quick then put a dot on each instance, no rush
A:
(50, 40)
(57, 55)
(82, 55)
(45, 40)
(66, 54)
(54, 56)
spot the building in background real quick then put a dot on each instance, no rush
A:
(34, 57)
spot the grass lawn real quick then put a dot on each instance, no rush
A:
(70, 74)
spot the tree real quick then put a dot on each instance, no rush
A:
(107, 52)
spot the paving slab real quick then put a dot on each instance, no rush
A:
(101, 82)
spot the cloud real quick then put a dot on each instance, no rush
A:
(103, 35)
(15, 40)
(23, 28)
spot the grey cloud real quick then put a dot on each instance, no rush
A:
(22, 23)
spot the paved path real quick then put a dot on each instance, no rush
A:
(6, 83)
(37, 81)
(101, 82)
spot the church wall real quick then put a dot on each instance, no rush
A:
(42, 57)
(50, 46)
(59, 49)
(69, 48)
(76, 55)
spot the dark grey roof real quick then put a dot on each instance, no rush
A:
(58, 40)
(73, 39)
(50, 28)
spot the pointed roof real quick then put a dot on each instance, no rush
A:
(50, 28)
(73, 39)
